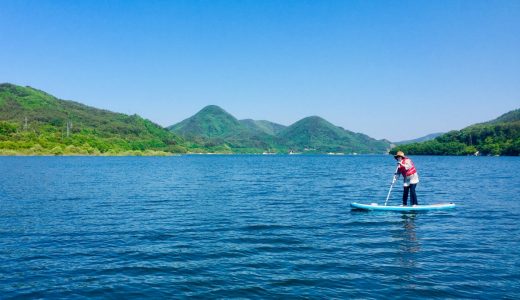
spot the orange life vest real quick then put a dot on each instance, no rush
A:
(403, 170)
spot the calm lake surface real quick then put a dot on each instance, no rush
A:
(255, 227)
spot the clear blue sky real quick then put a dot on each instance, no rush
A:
(389, 69)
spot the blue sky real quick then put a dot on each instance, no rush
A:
(389, 69)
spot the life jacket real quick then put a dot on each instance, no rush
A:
(403, 170)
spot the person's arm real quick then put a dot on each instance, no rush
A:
(398, 171)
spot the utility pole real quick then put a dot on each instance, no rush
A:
(69, 127)
(25, 124)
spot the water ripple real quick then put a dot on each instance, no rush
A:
(255, 227)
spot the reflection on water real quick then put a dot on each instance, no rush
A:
(409, 244)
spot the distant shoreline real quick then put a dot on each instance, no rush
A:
(167, 154)
(7, 153)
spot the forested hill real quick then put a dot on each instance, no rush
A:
(210, 122)
(216, 129)
(34, 122)
(500, 136)
(318, 135)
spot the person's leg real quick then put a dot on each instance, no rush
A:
(413, 195)
(405, 195)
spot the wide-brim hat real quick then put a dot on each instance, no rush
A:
(399, 153)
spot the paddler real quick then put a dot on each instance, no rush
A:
(411, 178)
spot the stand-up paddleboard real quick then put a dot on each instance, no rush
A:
(375, 206)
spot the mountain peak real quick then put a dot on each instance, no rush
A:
(320, 135)
(314, 119)
(211, 121)
(6, 85)
(316, 123)
(26, 97)
(212, 109)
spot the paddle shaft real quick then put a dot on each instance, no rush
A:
(392, 185)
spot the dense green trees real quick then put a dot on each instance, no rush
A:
(48, 140)
(217, 130)
(498, 137)
(33, 122)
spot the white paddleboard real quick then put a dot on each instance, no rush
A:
(375, 206)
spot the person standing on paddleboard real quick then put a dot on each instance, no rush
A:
(410, 175)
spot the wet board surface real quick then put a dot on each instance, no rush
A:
(375, 206)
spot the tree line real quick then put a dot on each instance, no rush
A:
(480, 139)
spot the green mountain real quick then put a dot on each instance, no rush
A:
(34, 122)
(421, 139)
(500, 136)
(210, 122)
(314, 134)
(214, 128)
(263, 126)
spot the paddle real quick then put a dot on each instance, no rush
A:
(392, 185)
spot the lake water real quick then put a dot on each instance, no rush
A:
(255, 227)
